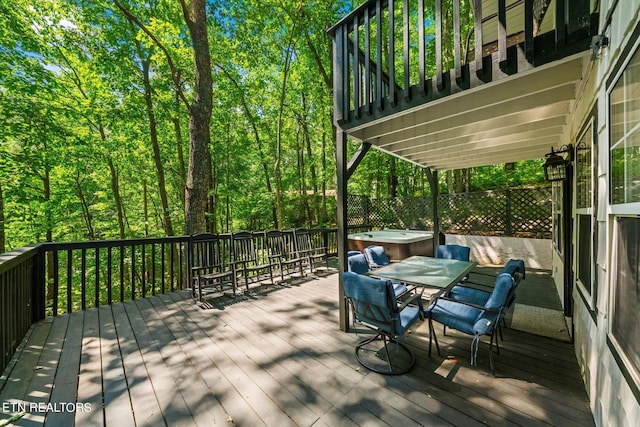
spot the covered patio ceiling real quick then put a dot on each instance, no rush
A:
(516, 118)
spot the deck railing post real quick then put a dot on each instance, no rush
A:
(38, 286)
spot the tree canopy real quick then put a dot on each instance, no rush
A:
(102, 103)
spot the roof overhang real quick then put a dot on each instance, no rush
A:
(516, 118)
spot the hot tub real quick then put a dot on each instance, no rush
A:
(398, 244)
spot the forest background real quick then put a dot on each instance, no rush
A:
(101, 102)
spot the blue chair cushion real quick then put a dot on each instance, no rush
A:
(464, 293)
(406, 318)
(514, 266)
(358, 264)
(498, 297)
(485, 323)
(453, 314)
(453, 252)
(376, 256)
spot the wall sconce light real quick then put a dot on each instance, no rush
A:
(599, 46)
(555, 167)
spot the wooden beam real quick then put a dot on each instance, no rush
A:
(357, 158)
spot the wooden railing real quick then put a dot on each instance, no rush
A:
(50, 279)
(21, 297)
(422, 50)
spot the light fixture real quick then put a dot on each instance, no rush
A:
(599, 45)
(555, 167)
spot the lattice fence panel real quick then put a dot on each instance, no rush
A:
(531, 213)
(469, 213)
(516, 212)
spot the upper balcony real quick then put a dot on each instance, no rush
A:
(440, 64)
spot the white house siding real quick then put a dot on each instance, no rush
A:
(612, 400)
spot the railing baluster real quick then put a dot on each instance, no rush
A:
(162, 267)
(153, 269)
(356, 68)
(345, 72)
(69, 282)
(122, 253)
(133, 272)
(457, 41)
(477, 35)
(406, 57)
(143, 271)
(392, 55)
(97, 277)
(109, 275)
(367, 62)
(561, 24)
(439, 82)
(56, 282)
(528, 29)
(421, 49)
(502, 34)
(83, 277)
(379, 55)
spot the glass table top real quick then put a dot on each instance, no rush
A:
(426, 271)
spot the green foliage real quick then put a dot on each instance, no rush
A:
(76, 158)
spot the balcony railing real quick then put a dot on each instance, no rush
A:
(389, 54)
(50, 279)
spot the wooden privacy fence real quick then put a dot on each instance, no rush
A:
(512, 212)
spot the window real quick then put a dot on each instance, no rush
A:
(585, 236)
(625, 135)
(626, 300)
(624, 184)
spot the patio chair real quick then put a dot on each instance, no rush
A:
(469, 291)
(375, 306)
(472, 319)
(208, 267)
(453, 252)
(376, 256)
(280, 254)
(306, 250)
(245, 259)
(358, 264)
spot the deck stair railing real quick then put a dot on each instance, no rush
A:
(50, 279)
(428, 49)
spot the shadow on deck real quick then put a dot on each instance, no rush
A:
(272, 358)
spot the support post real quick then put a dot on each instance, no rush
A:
(432, 177)
(341, 207)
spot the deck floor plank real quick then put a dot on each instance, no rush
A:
(169, 397)
(145, 406)
(23, 368)
(90, 373)
(115, 390)
(65, 390)
(277, 357)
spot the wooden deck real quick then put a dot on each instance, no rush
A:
(274, 358)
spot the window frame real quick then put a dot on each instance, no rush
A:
(589, 291)
(630, 209)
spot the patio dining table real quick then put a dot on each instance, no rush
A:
(427, 272)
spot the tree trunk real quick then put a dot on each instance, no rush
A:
(115, 189)
(153, 133)
(199, 175)
(392, 178)
(182, 172)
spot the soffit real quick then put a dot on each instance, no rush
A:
(516, 118)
